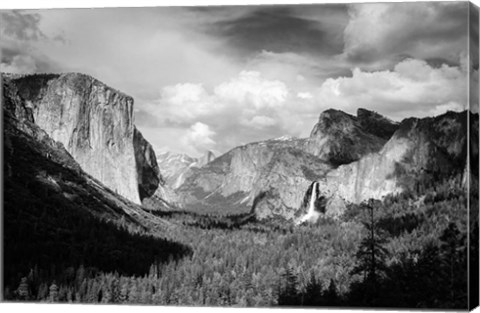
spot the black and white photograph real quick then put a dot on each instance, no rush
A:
(310, 155)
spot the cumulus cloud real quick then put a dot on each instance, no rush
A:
(182, 93)
(412, 88)
(245, 95)
(305, 95)
(187, 102)
(247, 107)
(199, 138)
(249, 87)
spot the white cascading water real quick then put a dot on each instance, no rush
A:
(311, 207)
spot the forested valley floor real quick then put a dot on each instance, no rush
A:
(409, 250)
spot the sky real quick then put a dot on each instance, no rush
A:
(216, 77)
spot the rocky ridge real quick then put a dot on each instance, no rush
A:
(352, 158)
(428, 149)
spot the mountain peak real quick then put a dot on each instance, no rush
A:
(341, 138)
(333, 121)
(177, 167)
(376, 124)
(206, 158)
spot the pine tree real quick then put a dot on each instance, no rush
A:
(53, 293)
(133, 294)
(288, 294)
(123, 293)
(313, 292)
(42, 292)
(331, 297)
(23, 290)
(371, 254)
(454, 265)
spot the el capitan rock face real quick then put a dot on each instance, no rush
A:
(95, 124)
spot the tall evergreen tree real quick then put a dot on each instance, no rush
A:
(371, 254)
(313, 292)
(23, 289)
(454, 265)
(288, 294)
(331, 297)
(53, 292)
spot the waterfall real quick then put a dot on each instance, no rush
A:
(311, 205)
(313, 198)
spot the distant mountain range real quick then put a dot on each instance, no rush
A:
(176, 167)
(353, 158)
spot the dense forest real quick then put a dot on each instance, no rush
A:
(409, 250)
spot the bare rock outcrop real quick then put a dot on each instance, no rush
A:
(341, 138)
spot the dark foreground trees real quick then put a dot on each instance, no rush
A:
(334, 263)
(435, 277)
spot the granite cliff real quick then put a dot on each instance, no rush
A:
(40, 173)
(426, 149)
(341, 138)
(94, 123)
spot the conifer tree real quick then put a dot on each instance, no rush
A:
(123, 293)
(331, 296)
(53, 293)
(288, 294)
(23, 290)
(454, 265)
(313, 292)
(371, 254)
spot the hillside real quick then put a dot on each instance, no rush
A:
(59, 218)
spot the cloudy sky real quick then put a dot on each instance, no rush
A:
(217, 77)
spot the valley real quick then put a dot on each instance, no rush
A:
(365, 211)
